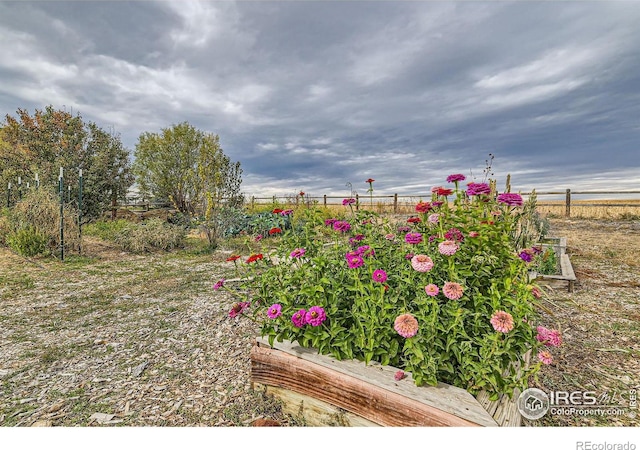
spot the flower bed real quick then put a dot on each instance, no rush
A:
(445, 296)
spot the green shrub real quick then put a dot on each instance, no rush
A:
(28, 241)
(106, 229)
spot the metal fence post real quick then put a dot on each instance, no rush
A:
(60, 188)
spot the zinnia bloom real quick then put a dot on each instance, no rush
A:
(218, 284)
(453, 234)
(390, 236)
(443, 191)
(478, 188)
(297, 253)
(355, 261)
(275, 230)
(299, 318)
(549, 337)
(431, 289)
(452, 290)
(437, 203)
(315, 316)
(286, 212)
(414, 220)
(370, 180)
(448, 248)
(545, 357)
(525, 255)
(341, 226)
(233, 258)
(254, 258)
(348, 201)
(413, 238)
(365, 251)
(406, 325)
(379, 275)
(455, 177)
(433, 218)
(423, 207)
(274, 311)
(537, 293)
(301, 193)
(473, 234)
(403, 229)
(277, 211)
(238, 308)
(510, 199)
(502, 321)
(422, 263)
(258, 238)
(330, 222)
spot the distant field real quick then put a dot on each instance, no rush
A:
(603, 209)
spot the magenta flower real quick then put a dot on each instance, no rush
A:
(218, 284)
(365, 251)
(342, 226)
(455, 177)
(297, 253)
(453, 234)
(299, 319)
(510, 199)
(525, 255)
(258, 238)
(315, 316)
(502, 321)
(413, 238)
(422, 263)
(451, 290)
(330, 222)
(379, 275)
(403, 229)
(448, 248)
(406, 325)
(274, 311)
(431, 289)
(286, 212)
(238, 308)
(478, 188)
(354, 261)
(348, 201)
(545, 357)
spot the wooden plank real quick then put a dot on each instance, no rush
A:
(368, 391)
(313, 412)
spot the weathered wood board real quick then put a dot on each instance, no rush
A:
(366, 391)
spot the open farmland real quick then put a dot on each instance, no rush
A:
(116, 339)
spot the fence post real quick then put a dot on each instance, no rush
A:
(567, 210)
(60, 188)
(324, 200)
(395, 203)
(8, 193)
(253, 201)
(357, 202)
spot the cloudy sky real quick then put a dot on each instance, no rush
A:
(314, 95)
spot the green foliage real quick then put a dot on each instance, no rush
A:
(546, 262)
(51, 139)
(334, 266)
(27, 241)
(107, 230)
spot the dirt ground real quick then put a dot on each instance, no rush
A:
(113, 339)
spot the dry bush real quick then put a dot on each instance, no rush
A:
(149, 235)
(39, 210)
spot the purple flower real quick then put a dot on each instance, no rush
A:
(510, 199)
(403, 229)
(330, 222)
(525, 256)
(299, 319)
(286, 212)
(432, 238)
(355, 239)
(436, 204)
(455, 177)
(379, 275)
(274, 311)
(348, 201)
(341, 226)
(354, 260)
(297, 253)
(365, 251)
(218, 284)
(315, 316)
(478, 188)
(408, 256)
(453, 234)
(413, 238)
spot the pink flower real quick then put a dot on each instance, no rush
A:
(473, 234)
(258, 238)
(315, 316)
(390, 236)
(341, 226)
(413, 238)
(399, 375)
(348, 201)
(354, 261)
(453, 234)
(455, 177)
(406, 325)
(502, 321)
(379, 275)
(365, 251)
(451, 290)
(274, 311)
(549, 337)
(218, 284)
(448, 248)
(478, 188)
(238, 308)
(537, 293)
(431, 289)
(545, 357)
(422, 263)
(297, 253)
(299, 319)
(433, 218)
(510, 199)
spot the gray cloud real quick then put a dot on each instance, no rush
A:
(313, 95)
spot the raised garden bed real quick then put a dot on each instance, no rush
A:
(566, 276)
(324, 392)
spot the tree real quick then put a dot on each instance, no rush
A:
(187, 167)
(51, 139)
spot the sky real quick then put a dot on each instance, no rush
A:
(320, 96)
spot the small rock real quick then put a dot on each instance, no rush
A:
(137, 370)
(42, 423)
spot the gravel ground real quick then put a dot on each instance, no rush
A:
(112, 339)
